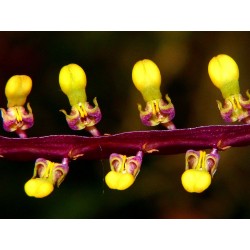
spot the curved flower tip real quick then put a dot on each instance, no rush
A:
(46, 175)
(224, 74)
(195, 181)
(199, 170)
(38, 188)
(124, 170)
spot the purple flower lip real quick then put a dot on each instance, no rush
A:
(235, 108)
(123, 164)
(17, 119)
(200, 160)
(83, 115)
(54, 172)
(157, 112)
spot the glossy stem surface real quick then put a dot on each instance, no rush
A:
(163, 142)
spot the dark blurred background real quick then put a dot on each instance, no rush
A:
(108, 59)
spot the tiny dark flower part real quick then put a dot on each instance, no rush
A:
(199, 170)
(46, 175)
(235, 108)
(17, 119)
(83, 115)
(158, 111)
(124, 170)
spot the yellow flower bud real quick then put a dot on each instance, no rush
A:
(38, 188)
(72, 80)
(146, 77)
(119, 181)
(224, 73)
(195, 181)
(17, 89)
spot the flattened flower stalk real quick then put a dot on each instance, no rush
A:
(147, 79)
(16, 118)
(46, 175)
(199, 170)
(72, 80)
(124, 170)
(224, 74)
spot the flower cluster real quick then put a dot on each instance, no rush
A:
(200, 166)
(72, 80)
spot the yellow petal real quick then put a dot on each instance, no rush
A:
(119, 181)
(224, 74)
(17, 89)
(146, 77)
(195, 181)
(72, 80)
(38, 188)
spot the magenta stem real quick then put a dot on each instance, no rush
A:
(162, 142)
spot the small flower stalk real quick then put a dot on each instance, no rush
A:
(199, 170)
(224, 74)
(46, 175)
(73, 81)
(16, 118)
(124, 170)
(147, 79)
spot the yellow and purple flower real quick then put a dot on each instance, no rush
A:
(73, 81)
(124, 170)
(199, 170)
(224, 74)
(46, 175)
(16, 118)
(147, 79)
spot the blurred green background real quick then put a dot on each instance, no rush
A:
(108, 59)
